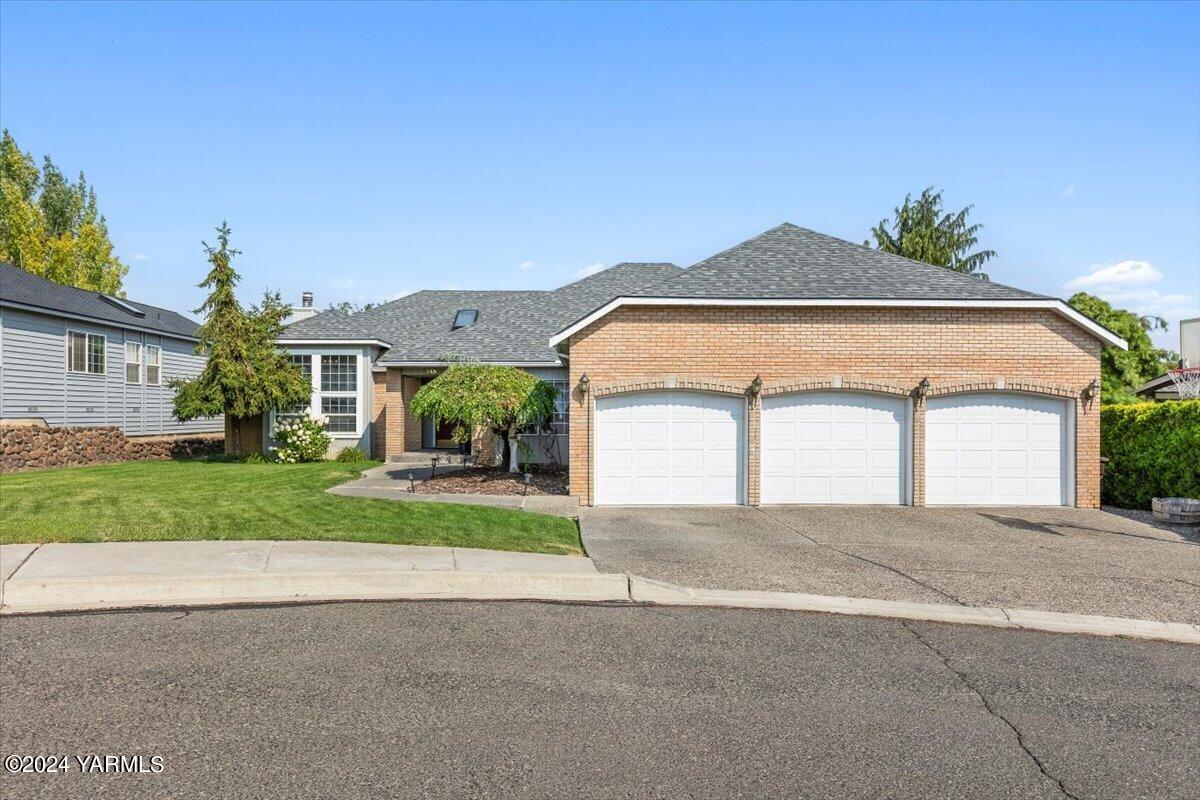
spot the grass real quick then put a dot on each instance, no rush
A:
(184, 500)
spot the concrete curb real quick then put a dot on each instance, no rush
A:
(28, 596)
(107, 592)
(644, 590)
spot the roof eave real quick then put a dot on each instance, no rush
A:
(1059, 306)
(96, 320)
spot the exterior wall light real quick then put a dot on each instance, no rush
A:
(584, 382)
(922, 389)
(1091, 390)
(756, 386)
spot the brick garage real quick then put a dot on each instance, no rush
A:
(959, 350)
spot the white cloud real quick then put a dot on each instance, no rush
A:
(1129, 285)
(139, 257)
(1121, 273)
(590, 269)
(525, 265)
(1069, 191)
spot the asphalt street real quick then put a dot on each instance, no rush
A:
(529, 700)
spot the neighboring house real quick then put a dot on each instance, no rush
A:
(792, 368)
(74, 357)
(1163, 387)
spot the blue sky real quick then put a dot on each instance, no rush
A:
(364, 151)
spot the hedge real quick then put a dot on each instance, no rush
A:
(1153, 450)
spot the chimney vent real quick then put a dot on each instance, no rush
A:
(306, 299)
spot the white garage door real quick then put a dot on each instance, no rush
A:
(996, 449)
(669, 448)
(834, 447)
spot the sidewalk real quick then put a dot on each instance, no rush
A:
(62, 577)
(87, 577)
(395, 481)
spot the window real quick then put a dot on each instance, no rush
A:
(305, 365)
(133, 362)
(558, 422)
(85, 352)
(153, 364)
(339, 373)
(464, 318)
(341, 414)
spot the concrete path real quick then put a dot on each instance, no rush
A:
(83, 577)
(1068, 560)
(395, 482)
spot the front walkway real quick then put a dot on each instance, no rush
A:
(1080, 561)
(395, 482)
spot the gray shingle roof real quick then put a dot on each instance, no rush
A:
(407, 321)
(19, 286)
(793, 262)
(521, 330)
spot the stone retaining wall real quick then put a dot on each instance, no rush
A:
(35, 447)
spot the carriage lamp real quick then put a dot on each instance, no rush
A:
(922, 388)
(1091, 389)
(756, 386)
(584, 382)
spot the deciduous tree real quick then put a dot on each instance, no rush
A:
(1123, 372)
(53, 227)
(501, 399)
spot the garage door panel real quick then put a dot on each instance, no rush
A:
(996, 449)
(845, 447)
(679, 448)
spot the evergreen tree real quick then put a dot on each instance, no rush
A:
(246, 375)
(923, 232)
(53, 227)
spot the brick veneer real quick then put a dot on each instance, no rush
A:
(805, 349)
(397, 429)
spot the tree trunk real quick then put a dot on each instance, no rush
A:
(513, 465)
(243, 435)
(506, 452)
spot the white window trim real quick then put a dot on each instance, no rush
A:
(362, 378)
(138, 362)
(87, 350)
(158, 352)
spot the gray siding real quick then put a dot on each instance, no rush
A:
(34, 381)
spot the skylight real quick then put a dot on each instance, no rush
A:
(464, 318)
(121, 304)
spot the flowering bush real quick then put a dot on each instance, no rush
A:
(300, 439)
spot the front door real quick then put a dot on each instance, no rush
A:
(436, 433)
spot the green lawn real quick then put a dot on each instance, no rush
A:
(172, 500)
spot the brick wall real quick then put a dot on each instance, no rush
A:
(37, 447)
(1030, 349)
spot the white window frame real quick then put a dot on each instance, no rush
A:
(156, 350)
(88, 336)
(361, 380)
(322, 394)
(137, 362)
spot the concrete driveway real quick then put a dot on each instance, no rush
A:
(1054, 559)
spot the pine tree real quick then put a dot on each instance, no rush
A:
(922, 232)
(246, 375)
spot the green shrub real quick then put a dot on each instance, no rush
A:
(1153, 450)
(300, 439)
(350, 454)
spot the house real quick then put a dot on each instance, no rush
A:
(792, 368)
(1163, 387)
(72, 357)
